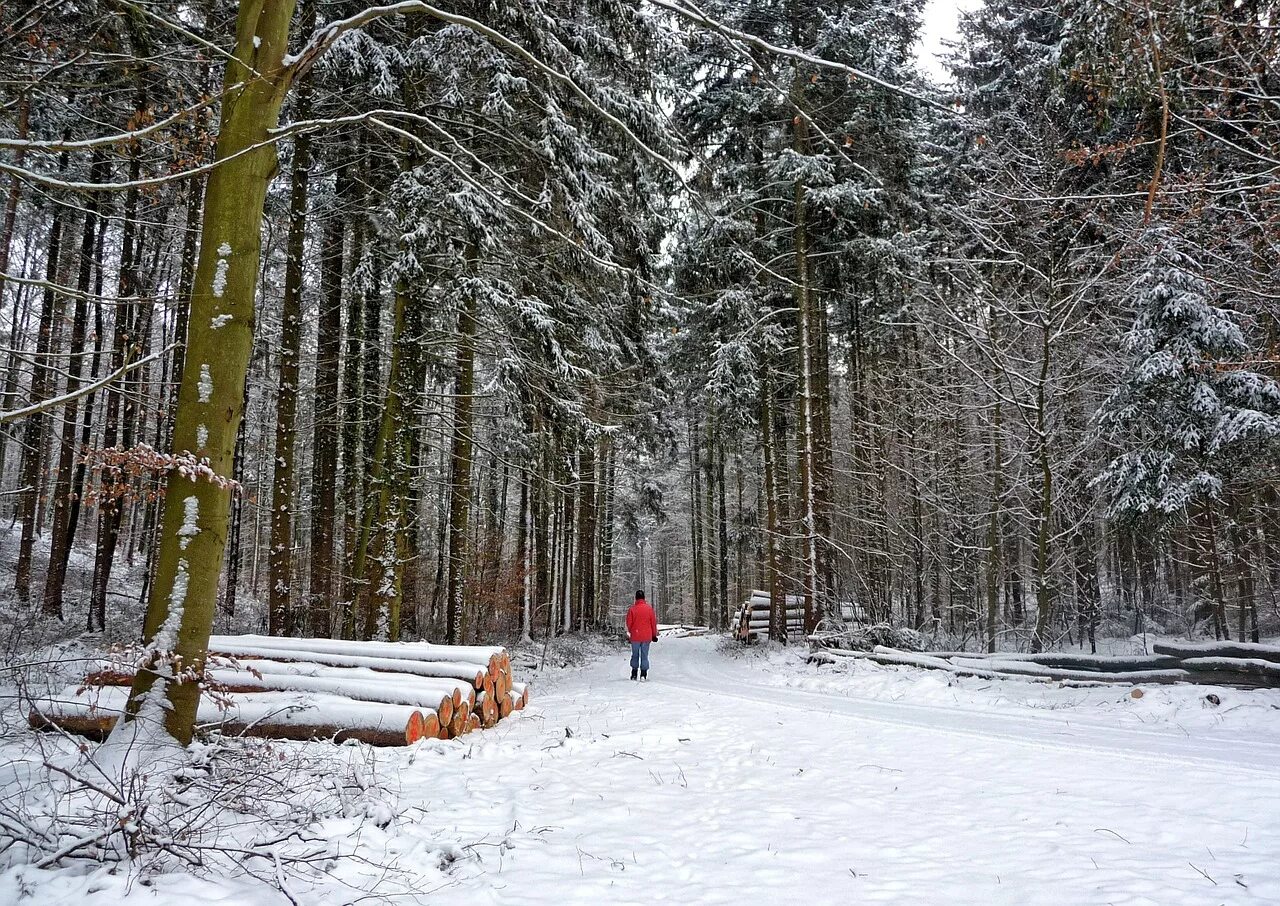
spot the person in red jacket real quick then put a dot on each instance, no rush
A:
(642, 628)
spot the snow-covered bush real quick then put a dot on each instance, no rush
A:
(865, 638)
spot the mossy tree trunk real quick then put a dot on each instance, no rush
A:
(379, 553)
(219, 341)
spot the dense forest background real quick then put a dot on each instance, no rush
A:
(558, 300)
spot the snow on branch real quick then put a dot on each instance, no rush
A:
(325, 37)
(105, 141)
(57, 401)
(693, 14)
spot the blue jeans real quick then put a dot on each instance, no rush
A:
(640, 656)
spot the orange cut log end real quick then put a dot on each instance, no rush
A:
(416, 728)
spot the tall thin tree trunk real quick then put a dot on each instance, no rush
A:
(6, 245)
(806, 426)
(522, 558)
(378, 574)
(324, 463)
(116, 418)
(1044, 592)
(38, 426)
(695, 522)
(460, 466)
(777, 609)
(353, 462)
(60, 539)
(722, 604)
(280, 563)
(994, 540)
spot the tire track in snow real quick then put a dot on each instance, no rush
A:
(699, 668)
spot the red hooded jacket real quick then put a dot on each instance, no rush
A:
(642, 622)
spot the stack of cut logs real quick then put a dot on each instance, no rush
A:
(751, 623)
(381, 693)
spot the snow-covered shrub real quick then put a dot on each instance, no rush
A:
(865, 638)
(221, 808)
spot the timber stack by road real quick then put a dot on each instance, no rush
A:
(381, 693)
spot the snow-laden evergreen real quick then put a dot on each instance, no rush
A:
(1193, 416)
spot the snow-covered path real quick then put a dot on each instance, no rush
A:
(709, 785)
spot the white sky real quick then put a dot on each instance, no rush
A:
(939, 24)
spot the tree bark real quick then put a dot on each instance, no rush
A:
(324, 463)
(211, 398)
(60, 539)
(38, 426)
(280, 563)
(460, 466)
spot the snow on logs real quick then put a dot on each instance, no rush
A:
(93, 710)
(1241, 665)
(380, 693)
(752, 619)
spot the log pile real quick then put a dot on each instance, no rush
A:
(380, 693)
(1245, 666)
(751, 622)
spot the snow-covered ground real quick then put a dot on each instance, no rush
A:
(760, 779)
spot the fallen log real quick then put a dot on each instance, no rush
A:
(522, 691)
(1236, 650)
(469, 673)
(907, 659)
(892, 657)
(1008, 667)
(458, 725)
(404, 692)
(1225, 671)
(271, 715)
(484, 655)
(489, 710)
(1105, 663)
(457, 689)
(1199, 671)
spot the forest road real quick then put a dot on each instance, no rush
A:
(715, 783)
(689, 665)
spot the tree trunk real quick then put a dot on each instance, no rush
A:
(280, 563)
(39, 425)
(522, 558)
(60, 540)
(324, 463)
(353, 461)
(378, 575)
(6, 246)
(994, 540)
(211, 398)
(235, 531)
(116, 417)
(695, 522)
(1044, 592)
(722, 608)
(460, 466)
(709, 539)
(605, 588)
(806, 427)
(585, 590)
(777, 615)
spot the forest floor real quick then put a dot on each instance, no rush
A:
(756, 777)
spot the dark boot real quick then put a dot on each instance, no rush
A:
(633, 672)
(644, 675)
